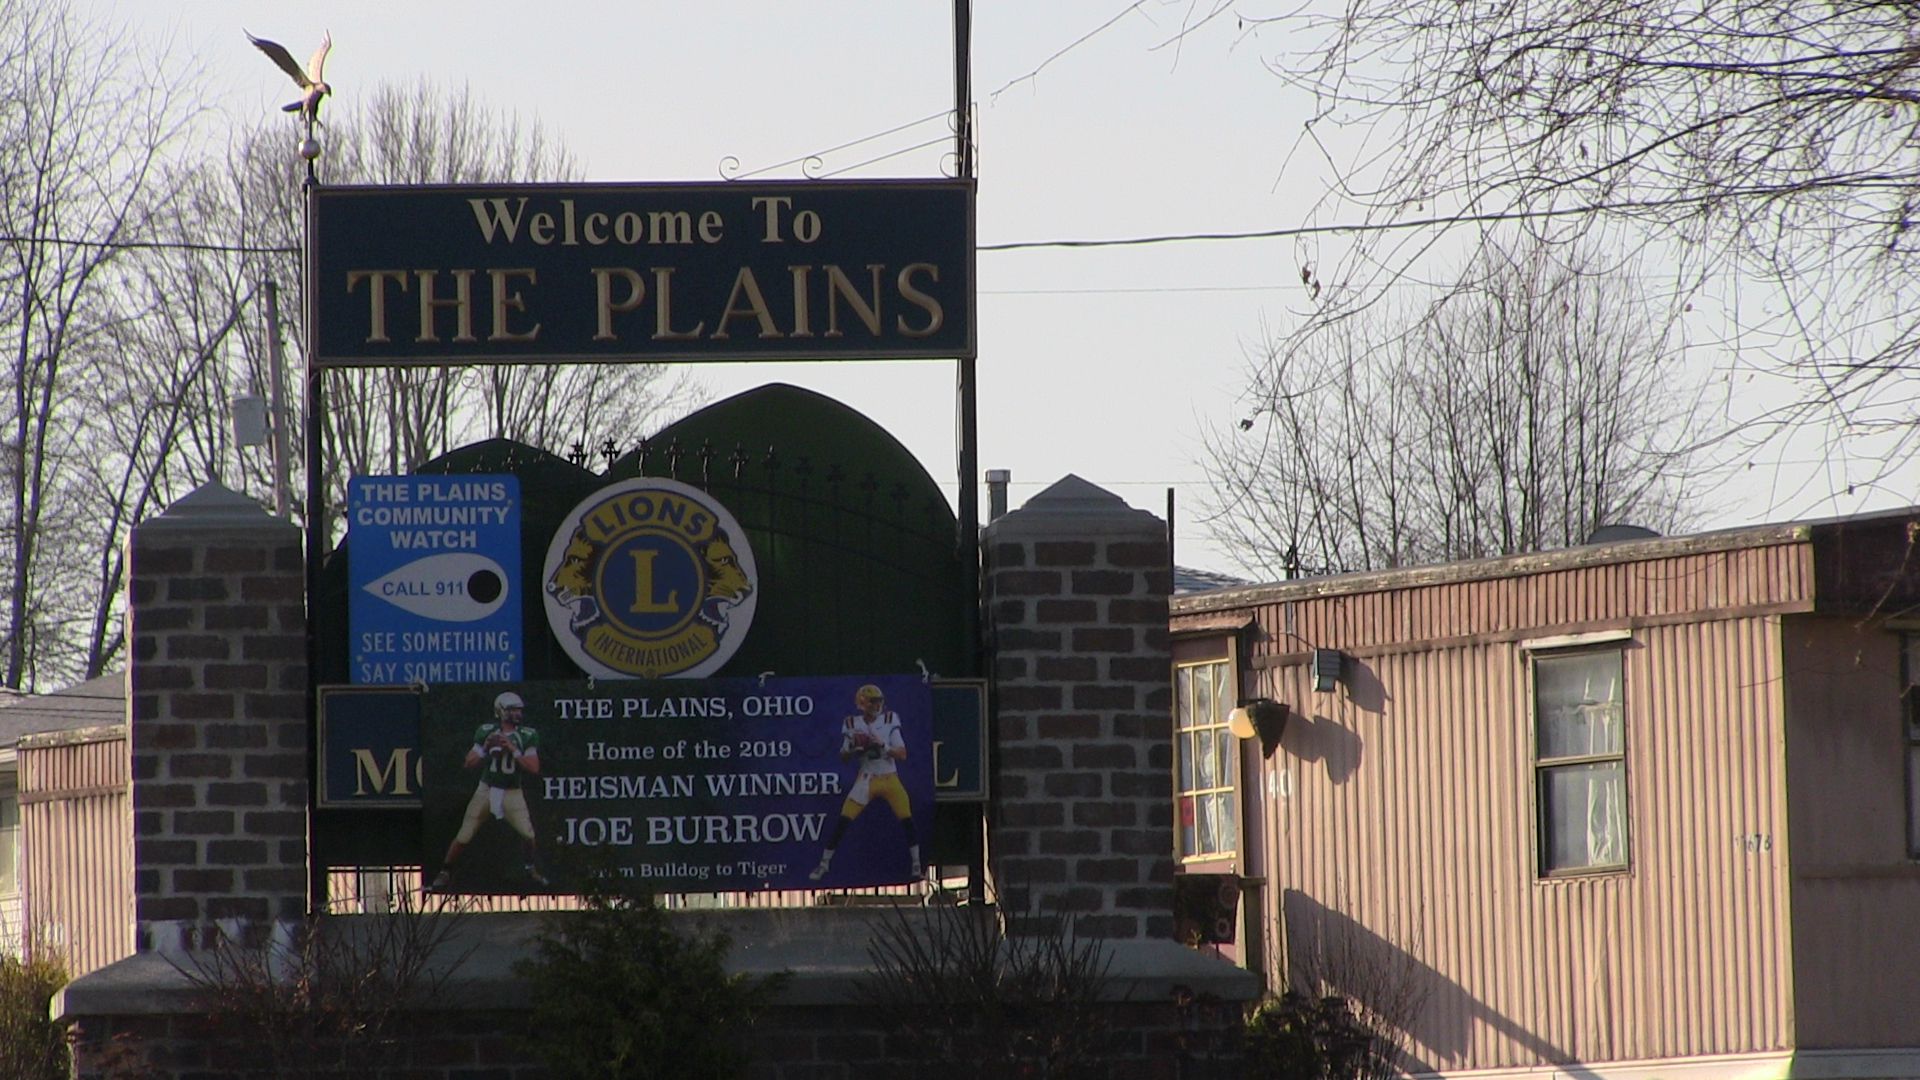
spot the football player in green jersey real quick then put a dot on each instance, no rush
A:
(508, 750)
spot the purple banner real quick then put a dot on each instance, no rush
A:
(678, 785)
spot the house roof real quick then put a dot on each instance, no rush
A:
(1832, 535)
(90, 704)
(1187, 579)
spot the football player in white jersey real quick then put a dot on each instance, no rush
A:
(872, 738)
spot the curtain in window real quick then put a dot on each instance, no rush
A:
(1580, 715)
(1586, 815)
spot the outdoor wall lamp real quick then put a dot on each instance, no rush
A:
(1328, 665)
(1260, 716)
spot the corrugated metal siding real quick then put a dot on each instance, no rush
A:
(76, 843)
(1664, 589)
(1403, 825)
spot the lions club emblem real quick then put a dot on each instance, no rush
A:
(650, 578)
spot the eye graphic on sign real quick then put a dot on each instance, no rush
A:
(650, 578)
(457, 586)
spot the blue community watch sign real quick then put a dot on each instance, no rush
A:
(433, 567)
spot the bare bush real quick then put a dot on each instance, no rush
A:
(329, 996)
(980, 994)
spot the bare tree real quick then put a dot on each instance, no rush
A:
(390, 420)
(1764, 150)
(84, 122)
(1522, 409)
(156, 416)
(130, 274)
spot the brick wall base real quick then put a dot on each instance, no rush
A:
(1160, 1012)
(1158, 1041)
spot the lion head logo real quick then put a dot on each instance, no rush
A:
(727, 583)
(572, 583)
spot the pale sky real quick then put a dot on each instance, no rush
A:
(1107, 363)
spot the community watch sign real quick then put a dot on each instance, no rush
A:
(714, 785)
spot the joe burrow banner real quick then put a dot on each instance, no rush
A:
(680, 785)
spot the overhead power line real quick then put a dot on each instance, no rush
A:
(1441, 220)
(150, 245)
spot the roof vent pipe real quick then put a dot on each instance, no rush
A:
(997, 481)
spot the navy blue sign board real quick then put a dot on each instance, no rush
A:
(678, 785)
(369, 747)
(550, 273)
(960, 740)
(434, 579)
(370, 744)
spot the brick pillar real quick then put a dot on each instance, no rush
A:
(217, 683)
(1077, 585)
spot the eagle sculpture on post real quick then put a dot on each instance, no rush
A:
(310, 81)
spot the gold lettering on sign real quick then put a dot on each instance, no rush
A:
(670, 226)
(772, 205)
(952, 779)
(390, 779)
(936, 317)
(462, 305)
(504, 298)
(744, 282)
(663, 309)
(840, 287)
(377, 298)
(605, 307)
(492, 216)
(645, 602)
(802, 275)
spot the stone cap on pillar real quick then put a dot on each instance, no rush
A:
(212, 505)
(1075, 507)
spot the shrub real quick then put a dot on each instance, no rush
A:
(1297, 1037)
(619, 993)
(32, 1046)
(977, 994)
(331, 995)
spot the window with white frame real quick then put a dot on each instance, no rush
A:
(1206, 754)
(1910, 721)
(1580, 759)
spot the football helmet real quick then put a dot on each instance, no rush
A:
(508, 700)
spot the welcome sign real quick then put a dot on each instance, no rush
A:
(526, 273)
(678, 785)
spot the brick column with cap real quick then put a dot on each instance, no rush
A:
(1082, 816)
(217, 684)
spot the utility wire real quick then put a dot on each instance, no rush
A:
(149, 245)
(1492, 216)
